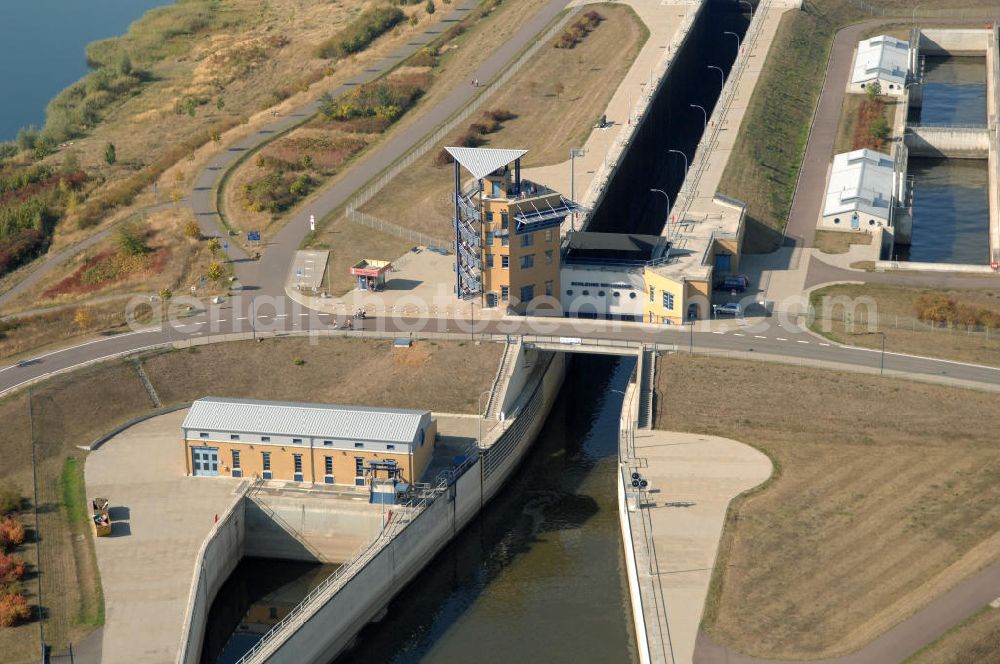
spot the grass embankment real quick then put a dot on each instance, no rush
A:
(766, 159)
(975, 641)
(918, 321)
(166, 95)
(885, 494)
(554, 102)
(76, 408)
(448, 61)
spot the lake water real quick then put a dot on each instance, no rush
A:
(954, 92)
(42, 50)
(950, 212)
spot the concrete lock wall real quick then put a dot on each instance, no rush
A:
(218, 557)
(953, 42)
(308, 527)
(952, 142)
(365, 595)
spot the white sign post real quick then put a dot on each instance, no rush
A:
(312, 222)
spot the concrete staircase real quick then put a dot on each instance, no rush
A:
(148, 384)
(647, 369)
(499, 389)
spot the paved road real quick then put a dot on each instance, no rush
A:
(824, 273)
(269, 273)
(768, 337)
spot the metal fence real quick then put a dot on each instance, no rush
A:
(928, 12)
(861, 322)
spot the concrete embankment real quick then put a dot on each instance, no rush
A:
(329, 618)
(948, 142)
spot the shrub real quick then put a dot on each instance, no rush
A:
(215, 272)
(13, 609)
(361, 32)
(470, 140)
(429, 7)
(131, 241)
(425, 57)
(11, 569)
(11, 533)
(478, 128)
(192, 230)
(385, 99)
(11, 500)
(443, 158)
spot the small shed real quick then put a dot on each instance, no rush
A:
(371, 274)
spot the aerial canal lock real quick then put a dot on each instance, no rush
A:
(930, 200)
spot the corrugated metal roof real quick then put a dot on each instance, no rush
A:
(483, 161)
(881, 57)
(860, 181)
(284, 418)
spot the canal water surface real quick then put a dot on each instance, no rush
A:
(950, 212)
(539, 577)
(954, 92)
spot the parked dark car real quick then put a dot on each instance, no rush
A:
(735, 282)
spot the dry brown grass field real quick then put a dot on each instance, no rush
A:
(885, 494)
(74, 409)
(897, 319)
(456, 59)
(832, 242)
(556, 99)
(975, 641)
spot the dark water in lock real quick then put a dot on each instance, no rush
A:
(42, 50)
(950, 212)
(954, 92)
(272, 587)
(539, 576)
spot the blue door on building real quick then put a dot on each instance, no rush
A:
(723, 262)
(205, 461)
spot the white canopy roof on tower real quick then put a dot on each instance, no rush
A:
(480, 162)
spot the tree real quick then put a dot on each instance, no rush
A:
(214, 246)
(215, 272)
(166, 294)
(873, 90)
(879, 128)
(11, 533)
(13, 609)
(132, 241)
(82, 318)
(26, 137)
(429, 7)
(192, 230)
(110, 154)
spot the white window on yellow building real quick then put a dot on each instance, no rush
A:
(505, 262)
(527, 262)
(504, 292)
(548, 235)
(652, 297)
(527, 239)
(548, 257)
(668, 301)
(549, 286)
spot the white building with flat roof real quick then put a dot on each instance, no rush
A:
(881, 59)
(860, 192)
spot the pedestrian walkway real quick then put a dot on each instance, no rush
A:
(676, 525)
(160, 517)
(664, 22)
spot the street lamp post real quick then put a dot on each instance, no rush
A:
(722, 75)
(915, 8)
(660, 191)
(704, 113)
(727, 32)
(685, 161)
(748, 4)
(573, 154)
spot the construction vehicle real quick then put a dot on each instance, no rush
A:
(100, 517)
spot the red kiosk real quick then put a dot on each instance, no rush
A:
(371, 274)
